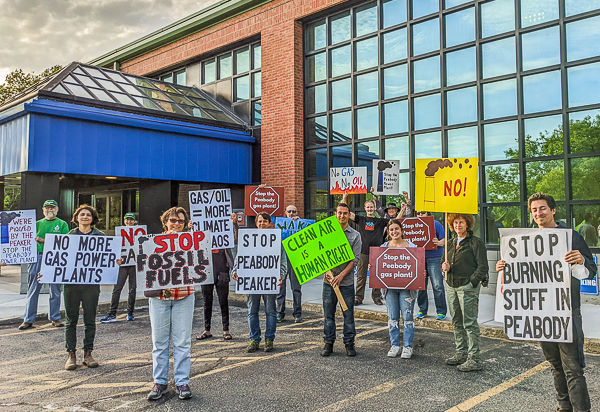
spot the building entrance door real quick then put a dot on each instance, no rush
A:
(109, 207)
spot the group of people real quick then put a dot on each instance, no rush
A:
(464, 270)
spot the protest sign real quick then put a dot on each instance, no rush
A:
(258, 261)
(386, 177)
(397, 268)
(535, 286)
(17, 244)
(447, 185)
(290, 226)
(128, 246)
(349, 180)
(211, 212)
(420, 231)
(174, 260)
(318, 248)
(266, 199)
(81, 259)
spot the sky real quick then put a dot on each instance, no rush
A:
(38, 34)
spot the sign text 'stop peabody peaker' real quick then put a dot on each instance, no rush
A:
(264, 199)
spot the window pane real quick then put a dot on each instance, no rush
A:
(341, 127)
(541, 48)
(316, 130)
(365, 20)
(463, 142)
(395, 81)
(499, 58)
(317, 67)
(426, 37)
(502, 183)
(584, 171)
(461, 67)
(367, 122)
(394, 12)
(462, 106)
(316, 36)
(497, 17)
(460, 27)
(367, 89)
(500, 99)
(341, 94)
(180, 78)
(340, 61)
(452, 3)
(397, 149)
(547, 176)
(242, 88)
(168, 79)
(573, 7)
(428, 145)
(77, 90)
(256, 80)
(501, 217)
(339, 27)
(366, 53)
(316, 163)
(225, 67)
(394, 46)
(396, 117)
(427, 112)
(242, 61)
(538, 11)
(365, 153)
(501, 141)
(317, 193)
(542, 92)
(426, 74)
(257, 56)
(543, 136)
(422, 8)
(584, 84)
(590, 214)
(316, 99)
(583, 37)
(584, 131)
(341, 156)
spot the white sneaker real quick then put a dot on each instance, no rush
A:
(406, 352)
(394, 350)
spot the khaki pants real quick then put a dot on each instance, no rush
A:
(361, 280)
(464, 308)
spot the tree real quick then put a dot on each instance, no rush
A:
(18, 81)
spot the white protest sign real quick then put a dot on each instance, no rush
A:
(129, 247)
(386, 177)
(536, 284)
(211, 212)
(173, 260)
(17, 244)
(258, 261)
(81, 259)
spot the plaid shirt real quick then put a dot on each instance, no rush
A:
(177, 293)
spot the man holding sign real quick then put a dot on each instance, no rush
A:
(566, 359)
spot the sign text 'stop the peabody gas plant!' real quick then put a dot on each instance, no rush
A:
(267, 199)
(397, 268)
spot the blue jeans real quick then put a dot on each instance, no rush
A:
(253, 303)
(434, 274)
(330, 302)
(171, 320)
(296, 291)
(400, 300)
(33, 294)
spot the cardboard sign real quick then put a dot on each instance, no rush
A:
(128, 246)
(397, 268)
(17, 244)
(290, 226)
(533, 298)
(81, 259)
(447, 185)
(174, 260)
(349, 180)
(318, 248)
(386, 177)
(264, 199)
(211, 212)
(420, 231)
(258, 261)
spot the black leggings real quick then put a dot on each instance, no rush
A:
(222, 294)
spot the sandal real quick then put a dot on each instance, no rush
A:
(205, 335)
(227, 336)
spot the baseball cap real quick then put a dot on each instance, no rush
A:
(129, 216)
(51, 203)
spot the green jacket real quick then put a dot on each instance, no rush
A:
(468, 263)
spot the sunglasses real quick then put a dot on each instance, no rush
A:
(291, 211)
(180, 221)
(421, 213)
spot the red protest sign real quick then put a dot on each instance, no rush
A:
(264, 199)
(420, 231)
(397, 268)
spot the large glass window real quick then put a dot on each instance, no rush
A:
(584, 84)
(463, 142)
(461, 66)
(426, 74)
(542, 92)
(422, 8)
(394, 46)
(427, 111)
(543, 136)
(397, 148)
(396, 117)
(500, 99)
(541, 48)
(394, 12)
(367, 88)
(428, 145)
(395, 81)
(573, 7)
(460, 27)
(426, 37)
(461, 106)
(501, 141)
(583, 38)
(366, 53)
(341, 94)
(584, 127)
(317, 67)
(497, 17)
(538, 11)
(367, 122)
(366, 20)
(340, 61)
(499, 57)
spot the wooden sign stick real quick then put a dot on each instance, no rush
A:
(336, 289)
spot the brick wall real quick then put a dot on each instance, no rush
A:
(277, 23)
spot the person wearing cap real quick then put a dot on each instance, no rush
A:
(391, 211)
(125, 273)
(49, 224)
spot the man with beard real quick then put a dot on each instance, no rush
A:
(49, 224)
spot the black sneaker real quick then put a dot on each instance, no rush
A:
(157, 392)
(350, 351)
(184, 392)
(327, 349)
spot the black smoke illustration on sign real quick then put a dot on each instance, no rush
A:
(436, 165)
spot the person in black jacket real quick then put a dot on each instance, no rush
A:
(465, 269)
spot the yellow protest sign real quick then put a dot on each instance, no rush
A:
(447, 185)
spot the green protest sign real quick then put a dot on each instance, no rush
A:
(318, 248)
